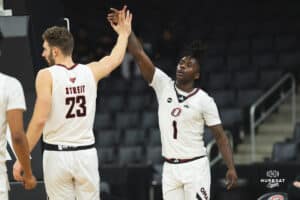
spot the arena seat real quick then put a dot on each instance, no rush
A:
(284, 151)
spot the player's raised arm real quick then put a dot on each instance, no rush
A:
(225, 149)
(106, 65)
(136, 49)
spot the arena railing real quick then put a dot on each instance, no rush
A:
(286, 87)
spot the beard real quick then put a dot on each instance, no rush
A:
(50, 59)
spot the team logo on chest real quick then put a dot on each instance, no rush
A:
(73, 79)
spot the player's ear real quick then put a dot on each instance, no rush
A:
(55, 51)
(197, 75)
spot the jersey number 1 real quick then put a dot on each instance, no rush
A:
(174, 129)
(80, 103)
(175, 113)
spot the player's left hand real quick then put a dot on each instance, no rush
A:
(123, 26)
(17, 171)
(231, 178)
(114, 15)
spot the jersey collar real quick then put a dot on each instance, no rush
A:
(181, 98)
(68, 68)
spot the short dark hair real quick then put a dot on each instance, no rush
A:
(59, 37)
(196, 50)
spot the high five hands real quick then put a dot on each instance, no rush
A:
(120, 20)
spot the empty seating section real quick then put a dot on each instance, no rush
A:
(246, 54)
(130, 155)
(238, 63)
(264, 60)
(289, 149)
(106, 155)
(136, 103)
(154, 137)
(107, 137)
(126, 120)
(154, 155)
(224, 98)
(285, 151)
(149, 119)
(296, 133)
(133, 137)
(219, 81)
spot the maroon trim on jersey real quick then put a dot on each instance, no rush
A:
(192, 94)
(188, 96)
(178, 161)
(68, 68)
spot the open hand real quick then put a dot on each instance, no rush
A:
(113, 16)
(120, 20)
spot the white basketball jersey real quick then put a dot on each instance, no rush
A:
(11, 97)
(182, 117)
(71, 119)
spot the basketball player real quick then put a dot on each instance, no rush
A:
(12, 106)
(183, 111)
(65, 110)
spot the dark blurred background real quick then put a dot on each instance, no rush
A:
(252, 52)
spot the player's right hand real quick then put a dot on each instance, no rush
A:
(231, 178)
(29, 182)
(17, 171)
(124, 19)
(113, 16)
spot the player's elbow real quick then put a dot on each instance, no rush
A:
(222, 140)
(40, 122)
(18, 137)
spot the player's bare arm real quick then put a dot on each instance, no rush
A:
(106, 65)
(41, 109)
(15, 121)
(40, 114)
(225, 149)
(136, 49)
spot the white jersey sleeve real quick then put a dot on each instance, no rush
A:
(159, 81)
(211, 113)
(15, 95)
(11, 97)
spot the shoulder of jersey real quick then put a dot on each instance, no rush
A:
(8, 78)
(203, 96)
(202, 93)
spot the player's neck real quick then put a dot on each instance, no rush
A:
(66, 61)
(186, 87)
